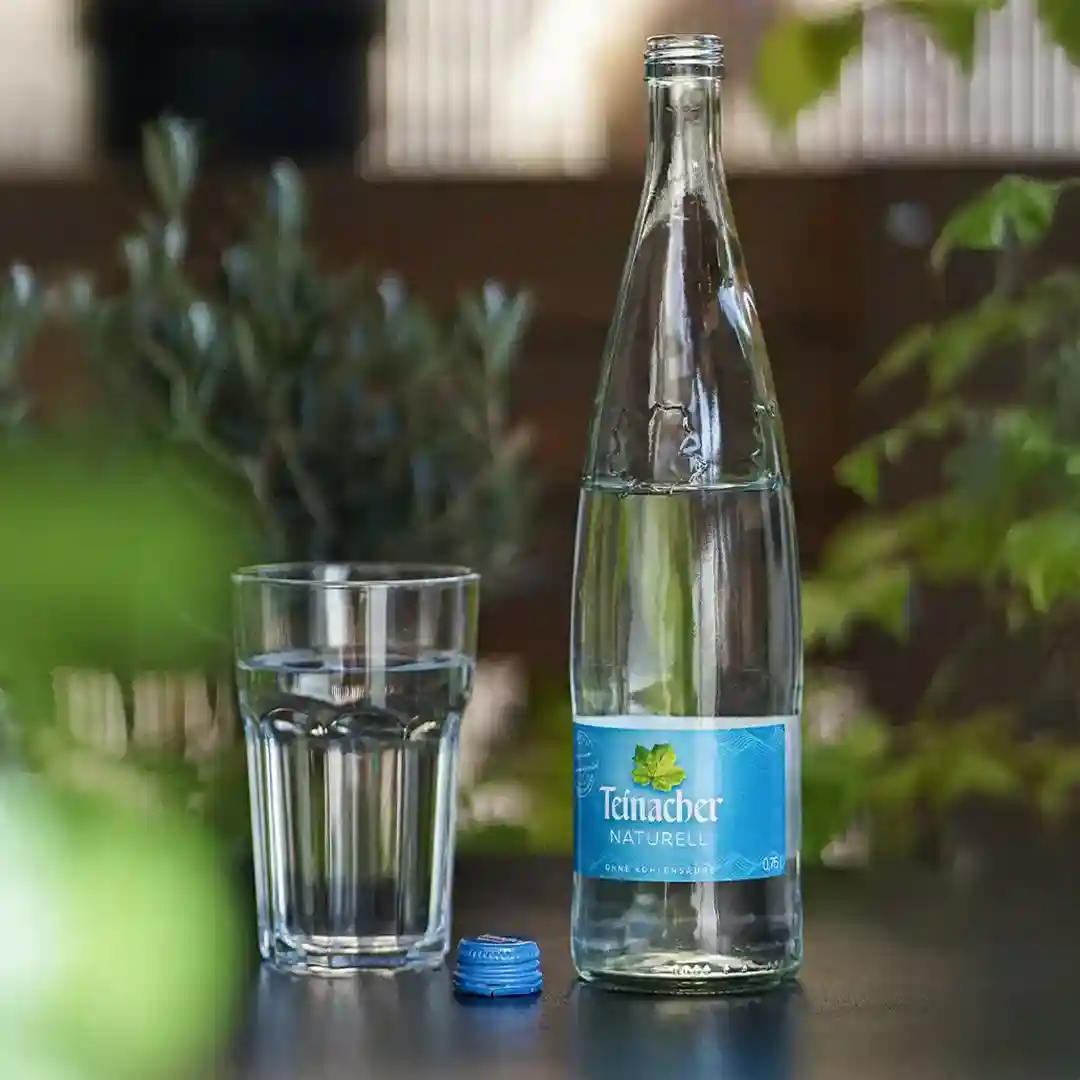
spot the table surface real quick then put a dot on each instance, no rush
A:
(907, 976)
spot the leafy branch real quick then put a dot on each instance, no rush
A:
(357, 423)
(802, 57)
(21, 314)
(1003, 523)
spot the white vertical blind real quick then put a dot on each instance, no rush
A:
(454, 65)
(904, 99)
(44, 86)
(498, 86)
(469, 88)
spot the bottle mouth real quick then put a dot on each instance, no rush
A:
(669, 55)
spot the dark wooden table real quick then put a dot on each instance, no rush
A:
(908, 976)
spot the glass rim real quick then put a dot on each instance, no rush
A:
(656, 42)
(689, 54)
(359, 575)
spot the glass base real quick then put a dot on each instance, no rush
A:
(660, 974)
(343, 956)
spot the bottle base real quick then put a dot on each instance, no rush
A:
(689, 976)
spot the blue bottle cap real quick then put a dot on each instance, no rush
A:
(494, 966)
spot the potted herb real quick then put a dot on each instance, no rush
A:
(322, 416)
(1003, 524)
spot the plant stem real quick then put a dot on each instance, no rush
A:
(307, 487)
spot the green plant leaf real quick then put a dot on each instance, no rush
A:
(953, 24)
(903, 784)
(831, 795)
(1014, 452)
(950, 348)
(839, 774)
(1061, 21)
(903, 356)
(1040, 555)
(865, 542)
(966, 338)
(667, 775)
(955, 538)
(507, 324)
(286, 200)
(657, 768)
(669, 781)
(827, 612)
(800, 61)
(951, 27)
(21, 313)
(963, 340)
(170, 152)
(834, 604)
(885, 592)
(663, 754)
(500, 839)
(1017, 208)
(860, 471)
(930, 422)
(1059, 781)
(643, 767)
(977, 772)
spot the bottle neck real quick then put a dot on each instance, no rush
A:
(684, 131)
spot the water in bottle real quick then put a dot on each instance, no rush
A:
(686, 643)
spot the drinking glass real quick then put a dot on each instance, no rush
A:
(352, 683)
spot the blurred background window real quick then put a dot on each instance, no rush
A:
(45, 121)
(552, 87)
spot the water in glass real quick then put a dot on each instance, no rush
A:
(352, 771)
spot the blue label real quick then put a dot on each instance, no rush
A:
(707, 803)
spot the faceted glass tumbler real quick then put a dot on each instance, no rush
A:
(352, 683)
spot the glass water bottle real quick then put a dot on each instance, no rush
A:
(686, 643)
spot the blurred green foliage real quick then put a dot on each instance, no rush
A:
(1004, 524)
(258, 410)
(116, 543)
(537, 762)
(803, 55)
(359, 424)
(252, 408)
(843, 762)
(123, 955)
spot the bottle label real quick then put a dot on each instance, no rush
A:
(703, 801)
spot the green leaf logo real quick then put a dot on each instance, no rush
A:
(656, 768)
